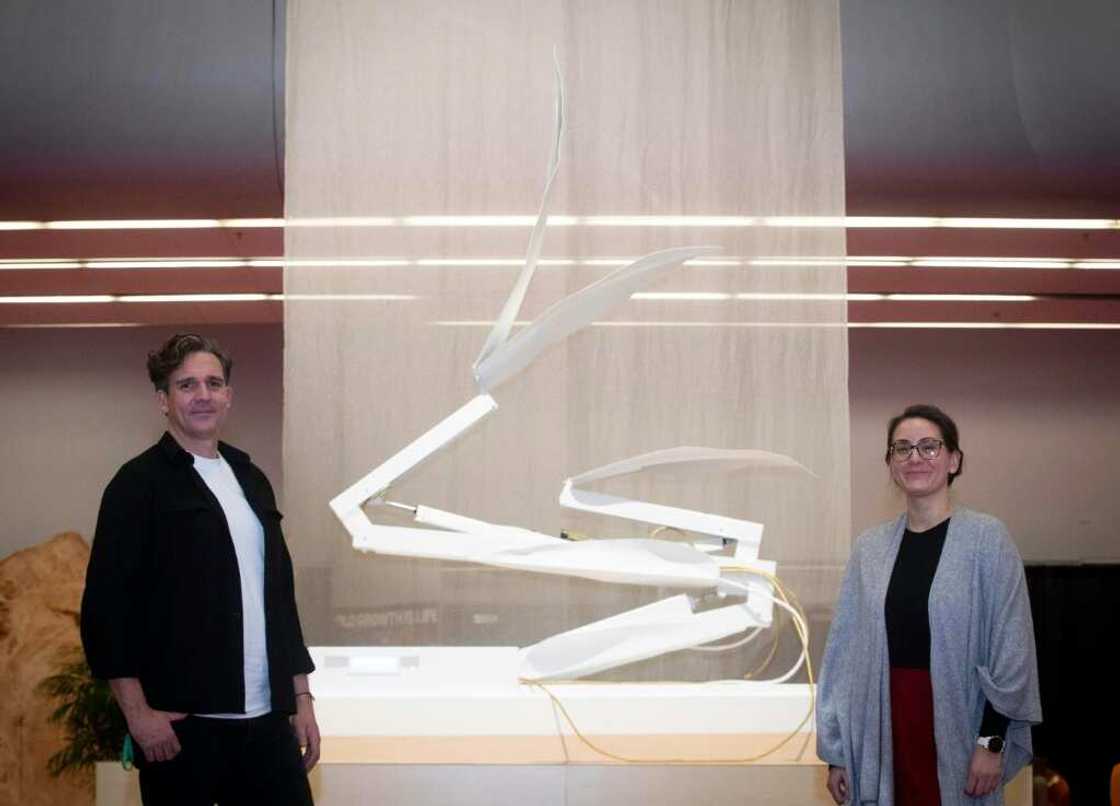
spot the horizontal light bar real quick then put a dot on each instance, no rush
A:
(766, 296)
(989, 325)
(193, 298)
(344, 297)
(474, 261)
(887, 325)
(955, 262)
(924, 222)
(59, 298)
(144, 223)
(251, 223)
(729, 221)
(794, 261)
(37, 265)
(172, 263)
(880, 325)
(29, 325)
(862, 261)
(660, 221)
(1030, 223)
(884, 262)
(1096, 264)
(248, 297)
(662, 296)
(713, 296)
(348, 262)
(698, 296)
(99, 298)
(166, 223)
(961, 297)
(989, 263)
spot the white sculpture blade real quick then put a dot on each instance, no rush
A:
(636, 561)
(687, 459)
(747, 533)
(646, 632)
(501, 330)
(576, 311)
(407, 458)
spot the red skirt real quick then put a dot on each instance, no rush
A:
(914, 748)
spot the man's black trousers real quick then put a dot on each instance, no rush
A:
(228, 762)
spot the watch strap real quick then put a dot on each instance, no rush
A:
(993, 744)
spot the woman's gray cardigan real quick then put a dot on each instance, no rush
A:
(981, 648)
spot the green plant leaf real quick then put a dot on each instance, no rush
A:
(92, 723)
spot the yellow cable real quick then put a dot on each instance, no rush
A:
(800, 624)
(770, 655)
(791, 598)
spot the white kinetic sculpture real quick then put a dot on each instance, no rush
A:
(724, 560)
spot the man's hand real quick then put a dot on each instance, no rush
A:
(984, 773)
(153, 732)
(150, 729)
(838, 784)
(307, 731)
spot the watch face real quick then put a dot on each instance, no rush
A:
(995, 744)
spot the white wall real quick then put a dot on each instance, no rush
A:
(77, 403)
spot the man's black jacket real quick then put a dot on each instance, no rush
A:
(163, 595)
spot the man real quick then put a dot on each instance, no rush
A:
(189, 608)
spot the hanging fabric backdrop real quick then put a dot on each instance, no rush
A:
(414, 131)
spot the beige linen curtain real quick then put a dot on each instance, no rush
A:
(399, 112)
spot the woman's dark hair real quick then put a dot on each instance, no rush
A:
(170, 356)
(943, 421)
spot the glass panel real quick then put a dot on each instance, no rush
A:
(702, 110)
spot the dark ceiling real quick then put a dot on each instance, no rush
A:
(153, 108)
(140, 109)
(998, 108)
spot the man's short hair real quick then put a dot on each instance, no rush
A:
(170, 356)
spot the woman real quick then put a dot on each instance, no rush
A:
(929, 683)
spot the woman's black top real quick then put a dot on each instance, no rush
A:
(907, 609)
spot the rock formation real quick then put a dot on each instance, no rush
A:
(40, 595)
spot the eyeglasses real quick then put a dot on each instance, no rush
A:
(927, 449)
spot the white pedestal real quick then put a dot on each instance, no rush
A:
(464, 705)
(453, 726)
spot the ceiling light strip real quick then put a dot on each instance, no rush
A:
(884, 325)
(713, 296)
(644, 296)
(58, 299)
(37, 325)
(858, 261)
(724, 221)
(989, 325)
(193, 298)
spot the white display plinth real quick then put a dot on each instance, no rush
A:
(465, 705)
(453, 726)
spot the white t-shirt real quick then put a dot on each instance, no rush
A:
(248, 543)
